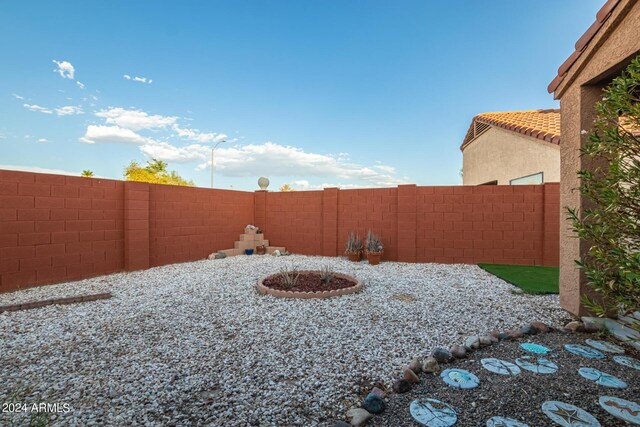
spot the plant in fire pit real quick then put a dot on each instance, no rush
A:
(373, 246)
(289, 276)
(326, 274)
(353, 247)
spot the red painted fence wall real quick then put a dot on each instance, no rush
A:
(55, 228)
(453, 224)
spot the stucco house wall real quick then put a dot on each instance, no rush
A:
(615, 44)
(503, 155)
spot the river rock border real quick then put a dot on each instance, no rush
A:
(265, 290)
(359, 416)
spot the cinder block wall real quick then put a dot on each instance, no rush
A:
(55, 228)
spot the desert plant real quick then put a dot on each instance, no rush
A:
(289, 276)
(87, 173)
(326, 274)
(610, 220)
(353, 244)
(373, 244)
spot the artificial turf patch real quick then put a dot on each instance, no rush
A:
(531, 279)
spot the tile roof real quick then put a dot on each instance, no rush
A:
(581, 44)
(540, 124)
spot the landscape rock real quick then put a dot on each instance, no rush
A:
(503, 336)
(575, 326)
(430, 366)
(472, 342)
(495, 333)
(409, 375)
(401, 386)
(458, 351)
(528, 330)
(341, 424)
(540, 326)
(416, 365)
(378, 392)
(485, 341)
(358, 417)
(374, 404)
(442, 355)
(514, 334)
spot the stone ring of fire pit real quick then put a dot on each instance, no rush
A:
(356, 286)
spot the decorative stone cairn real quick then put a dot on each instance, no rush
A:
(250, 239)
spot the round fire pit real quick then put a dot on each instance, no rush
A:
(309, 285)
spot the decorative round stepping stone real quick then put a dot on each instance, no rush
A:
(501, 367)
(433, 413)
(504, 422)
(627, 361)
(568, 415)
(540, 365)
(584, 351)
(459, 378)
(624, 409)
(601, 378)
(605, 346)
(534, 348)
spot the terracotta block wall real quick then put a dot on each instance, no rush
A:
(493, 224)
(375, 209)
(187, 224)
(291, 219)
(55, 228)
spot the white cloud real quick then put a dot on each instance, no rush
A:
(137, 79)
(16, 96)
(271, 159)
(43, 140)
(69, 110)
(385, 168)
(37, 108)
(80, 84)
(65, 69)
(38, 170)
(196, 135)
(111, 134)
(171, 153)
(135, 119)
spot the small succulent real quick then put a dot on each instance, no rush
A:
(289, 276)
(326, 274)
(354, 243)
(373, 244)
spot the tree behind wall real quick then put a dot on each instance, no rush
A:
(156, 172)
(611, 220)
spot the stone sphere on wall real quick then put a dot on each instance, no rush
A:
(263, 183)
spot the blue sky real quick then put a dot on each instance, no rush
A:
(350, 93)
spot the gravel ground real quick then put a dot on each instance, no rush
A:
(520, 397)
(194, 344)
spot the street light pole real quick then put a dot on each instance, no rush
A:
(212, 151)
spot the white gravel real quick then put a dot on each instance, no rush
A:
(194, 344)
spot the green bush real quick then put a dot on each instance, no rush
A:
(610, 218)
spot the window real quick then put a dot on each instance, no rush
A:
(536, 178)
